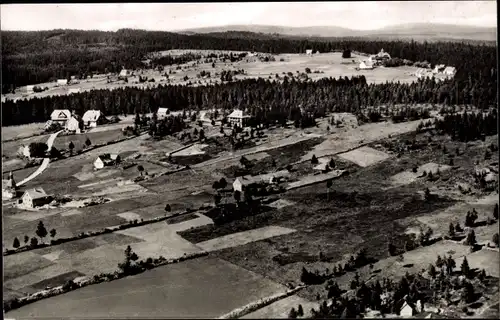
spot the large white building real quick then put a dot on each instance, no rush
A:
(73, 125)
(34, 198)
(60, 116)
(162, 113)
(239, 118)
(125, 73)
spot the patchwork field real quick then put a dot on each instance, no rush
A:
(364, 156)
(216, 286)
(90, 256)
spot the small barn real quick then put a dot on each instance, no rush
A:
(309, 52)
(106, 160)
(239, 118)
(162, 113)
(30, 89)
(62, 82)
(35, 198)
(409, 309)
(92, 118)
(9, 187)
(60, 116)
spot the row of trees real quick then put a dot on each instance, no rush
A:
(268, 101)
(41, 232)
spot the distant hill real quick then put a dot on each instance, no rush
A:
(417, 31)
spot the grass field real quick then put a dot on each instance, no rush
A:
(25, 130)
(364, 156)
(214, 287)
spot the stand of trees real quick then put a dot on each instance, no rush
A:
(469, 126)
(268, 101)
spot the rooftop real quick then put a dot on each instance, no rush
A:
(36, 193)
(238, 114)
(91, 115)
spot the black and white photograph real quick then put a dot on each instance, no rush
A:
(250, 160)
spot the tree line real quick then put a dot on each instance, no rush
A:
(40, 56)
(268, 101)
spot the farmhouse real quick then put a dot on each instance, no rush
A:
(34, 198)
(106, 160)
(92, 118)
(240, 183)
(60, 116)
(30, 89)
(239, 118)
(409, 309)
(162, 113)
(125, 73)
(365, 65)
(62, 82)
(309, 52)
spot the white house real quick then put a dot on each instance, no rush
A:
(309, 52)
(30, 89)
(409, 310)
(125, 73)
(162, 113)
(73, 125)
(365, 66)
(62, 82)
(239, 118)
(92, 118)
(450, 71)
(35, 197)
(240, 183)
(106, 160)
(60, 116)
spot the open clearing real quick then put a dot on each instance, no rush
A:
(407, 177)
(488, 260)
(241, 238)
(214, 287)
(365, 156)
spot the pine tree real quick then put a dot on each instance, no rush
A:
(41, 232)
(16, 243)
(451, 230)
(465, 268)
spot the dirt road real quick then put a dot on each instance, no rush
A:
(45, 161)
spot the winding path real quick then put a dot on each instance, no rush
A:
(45, 161)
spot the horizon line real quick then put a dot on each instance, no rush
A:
(267, 25)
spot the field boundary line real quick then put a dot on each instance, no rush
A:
(90, 234)
(261, 303)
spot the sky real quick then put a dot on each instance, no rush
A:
(178, 16)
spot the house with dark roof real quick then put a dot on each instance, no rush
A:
(60, 116)
(106, 160)
(35, 198)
